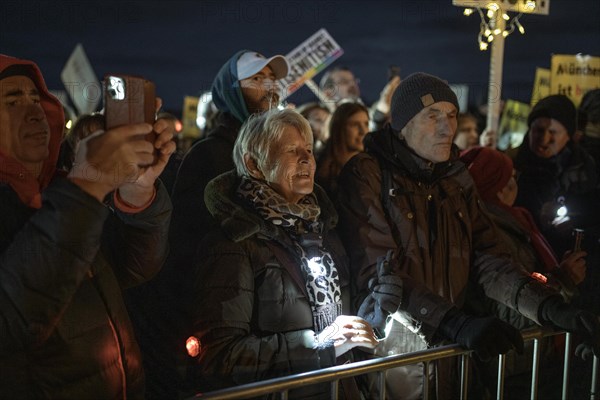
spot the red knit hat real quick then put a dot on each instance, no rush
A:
(491, 170)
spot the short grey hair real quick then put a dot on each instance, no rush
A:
(258, 134)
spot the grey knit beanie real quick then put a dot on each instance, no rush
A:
(415, 92)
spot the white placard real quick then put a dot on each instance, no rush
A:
(308, 59)
(81, 82)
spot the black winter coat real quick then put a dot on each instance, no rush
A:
(251, 311)
(64, 330)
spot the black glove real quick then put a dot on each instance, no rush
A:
(385, 294)
(486, 336)
(566, 317)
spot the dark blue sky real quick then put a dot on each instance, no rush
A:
(182, 44)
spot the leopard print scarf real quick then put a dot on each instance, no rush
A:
(301, 222)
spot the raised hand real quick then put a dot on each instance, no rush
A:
(106, 160)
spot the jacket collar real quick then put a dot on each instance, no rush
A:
(386, 146)
(239, 222)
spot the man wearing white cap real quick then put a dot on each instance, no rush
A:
(245, 84)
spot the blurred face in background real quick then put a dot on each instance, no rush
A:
(317, 118)
(357, 126)
(508, 194)
(547, 137)
(467, 135)
(260, 91)
(345, 86)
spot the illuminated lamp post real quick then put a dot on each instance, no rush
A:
(495, 26)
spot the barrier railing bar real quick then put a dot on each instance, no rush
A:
(335, 389)
(535, 369)
(464, 376)
(501, 374)
(566, 367)
(381, 381)
(594, 388)
(426, 380)
(378, 365)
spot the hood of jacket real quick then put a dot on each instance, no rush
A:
(239, 222)
(12, 172)
(388, 148)
(226, 91)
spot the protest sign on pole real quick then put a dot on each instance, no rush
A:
(81, 82)
(541, 85)
(308, 59)
(188, 118)
(574, 75)
(513, 124)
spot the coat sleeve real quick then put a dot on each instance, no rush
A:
(136, 245)
(367, 235)
(43, 264)
(232, 351)
(502, 278)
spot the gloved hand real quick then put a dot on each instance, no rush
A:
(486, 336)
(569, 318)
(385, 294)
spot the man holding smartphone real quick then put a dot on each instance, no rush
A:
(69, 245)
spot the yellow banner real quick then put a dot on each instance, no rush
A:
(541, 85)
(513, 124)
(574, 75)
(188, 118)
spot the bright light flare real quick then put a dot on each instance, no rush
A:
(192, 345)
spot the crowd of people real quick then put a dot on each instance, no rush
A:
(288, 240)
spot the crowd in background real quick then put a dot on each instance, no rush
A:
(289, 239)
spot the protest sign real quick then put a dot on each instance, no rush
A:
(541, 85)
(574, 75)
(188, 118)
(308, 59)
(513, 124)
(81, 82)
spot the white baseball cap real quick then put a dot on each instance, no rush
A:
(252, 62)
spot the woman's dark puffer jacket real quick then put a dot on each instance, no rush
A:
(251, 311)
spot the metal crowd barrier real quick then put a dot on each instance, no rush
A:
(380, 365)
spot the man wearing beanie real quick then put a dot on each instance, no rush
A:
(408, 197)
(554, 170)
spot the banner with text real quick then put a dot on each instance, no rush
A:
(541, 85)
(513, 124)
(308, 59)
(574, 75)
(188, 117)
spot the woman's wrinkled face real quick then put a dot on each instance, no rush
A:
(547, 137)
(291, 167)
(467, 135)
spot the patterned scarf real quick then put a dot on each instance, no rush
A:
(301, 222)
